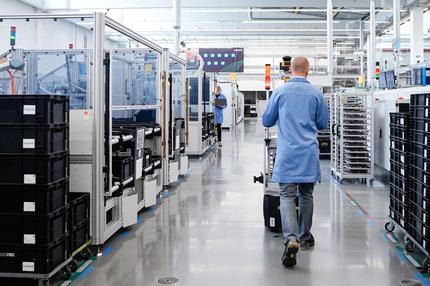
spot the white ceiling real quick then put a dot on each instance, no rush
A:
(240, 22)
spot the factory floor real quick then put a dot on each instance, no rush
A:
(209, 231)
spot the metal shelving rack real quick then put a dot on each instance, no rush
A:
(352, 136)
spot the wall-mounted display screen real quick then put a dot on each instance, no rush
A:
(222, 60)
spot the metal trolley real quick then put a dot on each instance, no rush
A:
(352, 122)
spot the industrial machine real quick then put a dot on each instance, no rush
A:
(234, 112)
(201, 125)
(118, 139)
(178, 110)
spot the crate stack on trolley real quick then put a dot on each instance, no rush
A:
(35, 217)
(399, 170)
(419, 177)
(410, 175)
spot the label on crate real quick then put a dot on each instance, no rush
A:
(29, 110)
(29, 207)
(28, 143)
(29, 239)
(424, 231)
(425, 140)
(424, 206)
(30, 179)
(402, 222)
(424, 219)
(402, 172)
(402, 121)
(272, 222)
(28, 266)
(426, 127)
(7, 254)
(402, 159)
(425, 153)
(427, 113)
(424, 192)
(403, 212)
(139, 168)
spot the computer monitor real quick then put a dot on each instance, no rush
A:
(391, 79)
(382, 81)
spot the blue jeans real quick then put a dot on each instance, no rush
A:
(291, 228)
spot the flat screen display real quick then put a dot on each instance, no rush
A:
(391, 79)
(222, 60)
(382, 81)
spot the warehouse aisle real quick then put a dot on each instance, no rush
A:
(209, 231)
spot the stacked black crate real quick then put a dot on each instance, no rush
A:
(34, 163)
(399, 171)
(419, 200)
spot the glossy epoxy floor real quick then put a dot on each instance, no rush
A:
(209, 231)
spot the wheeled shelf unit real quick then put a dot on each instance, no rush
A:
(351, 120)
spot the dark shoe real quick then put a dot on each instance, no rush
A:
(308, 244)
(289, 257)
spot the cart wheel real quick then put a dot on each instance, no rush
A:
(65, 273)
(73, 265)
(410, 246)
(406, 239)
(86, 253)
(371, 181)
(365, 182)
(341, 181)
(389, 227)
(426, 266)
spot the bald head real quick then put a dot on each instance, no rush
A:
(300, 66)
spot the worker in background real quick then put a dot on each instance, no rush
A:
(220, 104)
(299, 110)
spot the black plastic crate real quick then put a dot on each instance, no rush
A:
(420, 111)
(419, 162)
(398, 156)
(419, 174)
(147, 157)
(35, 199)
(34, 139)
(398, 216)
(399, 194)
(418, 187)
(122, 167)
(420, 137)
(400, 132)
(43, 108)
(33, 169)
(419, 219)
(79, 235)
(419, 149)
(399, 118)
(420, 99)
(398, 168)
(79, 208)
(399, 144)
(420, 124)
(421, 202)
(40, 259)
(31, 229)
(398, 181)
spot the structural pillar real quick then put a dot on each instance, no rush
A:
(396, 30)
(330, 39)
(177, 25)
(417, 41)
(371, 47)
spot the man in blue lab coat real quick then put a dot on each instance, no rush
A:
(299, 110)
(220, 104)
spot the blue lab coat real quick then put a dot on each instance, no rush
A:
(219, 117)
(299, 110)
